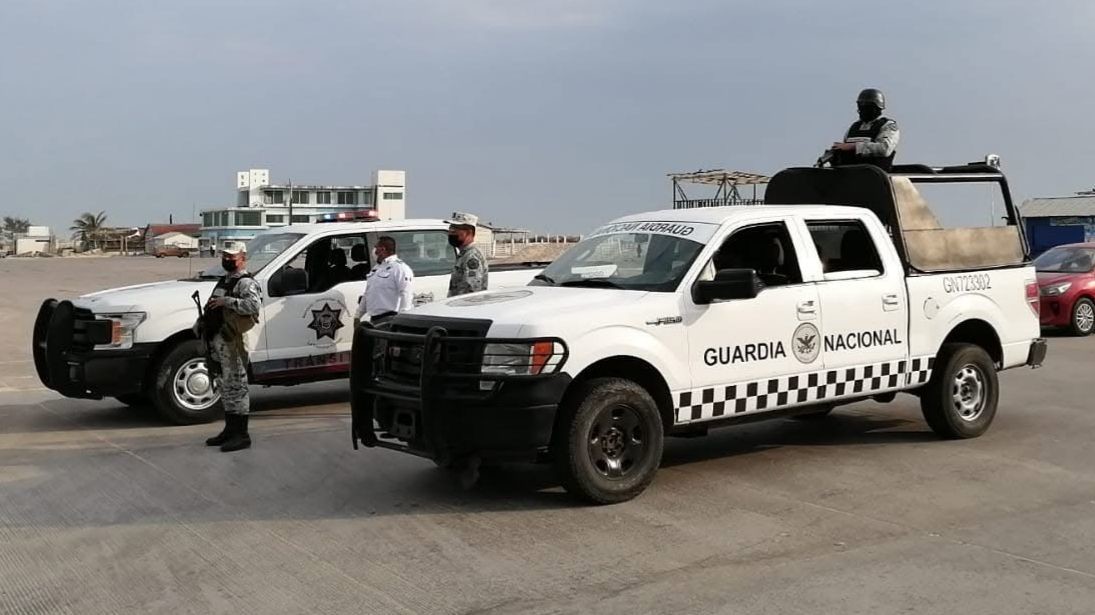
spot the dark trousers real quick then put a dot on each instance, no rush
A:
(380, 318)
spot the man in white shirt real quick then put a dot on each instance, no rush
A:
(389, 287)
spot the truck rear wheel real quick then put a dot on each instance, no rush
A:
(184, 393)
(608, 442)
(960, 399)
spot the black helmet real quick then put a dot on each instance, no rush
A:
(873, 96)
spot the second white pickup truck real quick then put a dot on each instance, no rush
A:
(672, 322)
(136, 343)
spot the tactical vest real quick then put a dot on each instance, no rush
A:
(857, 133)
(217, 318)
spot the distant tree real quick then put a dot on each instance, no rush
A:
(88, 228)
(16, 225)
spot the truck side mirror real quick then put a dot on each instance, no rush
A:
(728, 284)
(288, 282)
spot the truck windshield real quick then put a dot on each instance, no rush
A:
(1066, 260)
(260, 251)
(631, 261)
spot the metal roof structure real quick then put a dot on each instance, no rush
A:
(718, 177)
(1072, 206)
(725, 181)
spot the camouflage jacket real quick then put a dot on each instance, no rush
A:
(469, 273)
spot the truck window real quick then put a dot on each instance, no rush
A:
(845, 245)
(331, 261)
(425, 252)
(630, 261)
(764, 248)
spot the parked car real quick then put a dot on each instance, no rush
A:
(173, 251)
(1066, 284)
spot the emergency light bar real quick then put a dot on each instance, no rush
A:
(360, 215)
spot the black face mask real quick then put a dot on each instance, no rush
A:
(229, 264)
(454, 241)
(869, 113)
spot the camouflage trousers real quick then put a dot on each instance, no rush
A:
(233, 380)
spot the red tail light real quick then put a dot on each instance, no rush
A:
(1033, 299)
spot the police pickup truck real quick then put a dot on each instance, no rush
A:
(845, 287)
(136, 343)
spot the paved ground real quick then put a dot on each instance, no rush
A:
(103, 509)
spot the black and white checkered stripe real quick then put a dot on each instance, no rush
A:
(802, 389)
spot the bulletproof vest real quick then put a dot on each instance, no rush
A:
(214, 317)
(858, 132)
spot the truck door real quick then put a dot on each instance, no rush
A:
(311, 332)
(864, 306)
(753, 355)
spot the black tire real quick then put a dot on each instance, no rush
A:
(135, 400)
(1082, 322)
(608, 440)
(169, 399)
(818, 412)
(960, 399)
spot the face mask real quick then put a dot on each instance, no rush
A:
(229, 264)
(454, 241)
(379, 257)
(869, 113)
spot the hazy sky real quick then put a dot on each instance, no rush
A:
(553, 114)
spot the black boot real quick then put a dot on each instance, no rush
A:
(225, 433)
(239, 439)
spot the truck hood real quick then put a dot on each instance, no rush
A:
(539, 308)
(146, 297)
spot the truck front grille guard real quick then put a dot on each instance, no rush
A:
(438, 376)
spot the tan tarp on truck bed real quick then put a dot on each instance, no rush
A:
(930, 247)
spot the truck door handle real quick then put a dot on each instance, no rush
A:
(891, 302)
(807, 308)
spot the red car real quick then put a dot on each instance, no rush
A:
(1067, 286)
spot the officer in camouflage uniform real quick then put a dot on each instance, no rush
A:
(469, 273)
(871, 140)
(231, 311)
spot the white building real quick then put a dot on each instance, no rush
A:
(261, 204)
(36, 239)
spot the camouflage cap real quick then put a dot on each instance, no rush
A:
(462, 219)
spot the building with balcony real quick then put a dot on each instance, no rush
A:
(261, 204)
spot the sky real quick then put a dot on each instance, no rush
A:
(556, 115)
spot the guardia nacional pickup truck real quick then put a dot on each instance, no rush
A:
(136, 343)
(845, 287)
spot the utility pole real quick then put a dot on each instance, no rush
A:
(290, 201)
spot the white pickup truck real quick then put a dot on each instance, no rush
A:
(844, 288)
(136, 343)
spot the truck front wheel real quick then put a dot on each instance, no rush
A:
(185, 393)
(960, 399)
(608, 442)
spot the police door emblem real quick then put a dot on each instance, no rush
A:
(806, 343)
(326, 322)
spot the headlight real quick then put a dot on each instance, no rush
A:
(1054, 290)
(524, 359)
(122, 330)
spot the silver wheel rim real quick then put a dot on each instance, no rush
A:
(1085, 317)
(193, 388)
(968, 393)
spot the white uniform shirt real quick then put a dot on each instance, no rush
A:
(389, 287)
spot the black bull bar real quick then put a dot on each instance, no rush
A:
(450, 372)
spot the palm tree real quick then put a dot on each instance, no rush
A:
(87, 228)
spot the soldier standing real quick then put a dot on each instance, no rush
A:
(231, 311)
(871, 140)
(469, 273)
